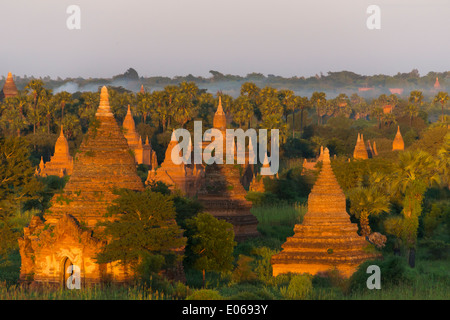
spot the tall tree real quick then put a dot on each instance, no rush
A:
(366, 202)
(411, 176)
(145, 227)
(319, 99)
(442, 98)
(211, 242)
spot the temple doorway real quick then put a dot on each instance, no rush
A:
(66, 273)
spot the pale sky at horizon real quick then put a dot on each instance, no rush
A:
(180, 37)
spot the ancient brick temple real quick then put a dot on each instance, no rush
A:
(68, 235)
(360, 151)
(9, 88)
(326, 239)
(143, 153)
(222, 193)
(186, 178)
(398, 143)
(61, 163)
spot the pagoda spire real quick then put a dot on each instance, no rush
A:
(104, 109)
(398, 143)
(326, 238)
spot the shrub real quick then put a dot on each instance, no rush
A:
(243, 271)
(205, 294)
(394, 271)
(436, 249)
(300, 287)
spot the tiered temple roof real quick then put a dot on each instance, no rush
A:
(69, 234)
(326, 239)
(360, 151)
(104, 161)
(222, 193)
(61, 163)
(9, 88)
(398, 143)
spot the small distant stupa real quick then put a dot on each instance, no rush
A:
(326, 239)
(182, 177)
(360, 151)
(9, 88)
(61, 163)
(257, 183)
(437, 85)
(143, 153)
(398, 143)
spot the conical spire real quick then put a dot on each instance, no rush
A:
(360, 151)
(130, 129)
(326, 238)
(142, 89)
(220, 119)
(398, 143)
(9, 88)
(104, 109)
(437, 85)
(104, 163)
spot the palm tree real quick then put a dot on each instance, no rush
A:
(36, 89)
(411, 176)
(318, 99)
(442, 98)
(301, 103)
(377, 112)
(242, 110)
(61, 99)
(287, 99)
(416, 97)
(365, 202)
(411, 111)
(160, 111)
(143, 104)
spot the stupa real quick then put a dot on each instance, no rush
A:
(360, 151)
(326, 239)
(437, 85)
(61, 163)
(222, 193)
(142, 152)
(398, 143)
(257, 183)
(9, 88)
(183, 177)
(68, 234)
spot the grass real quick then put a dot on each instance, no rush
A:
(278, 221)
(429, 280)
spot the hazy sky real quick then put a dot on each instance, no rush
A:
(178, 37)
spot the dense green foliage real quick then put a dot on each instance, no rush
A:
(403, 195)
